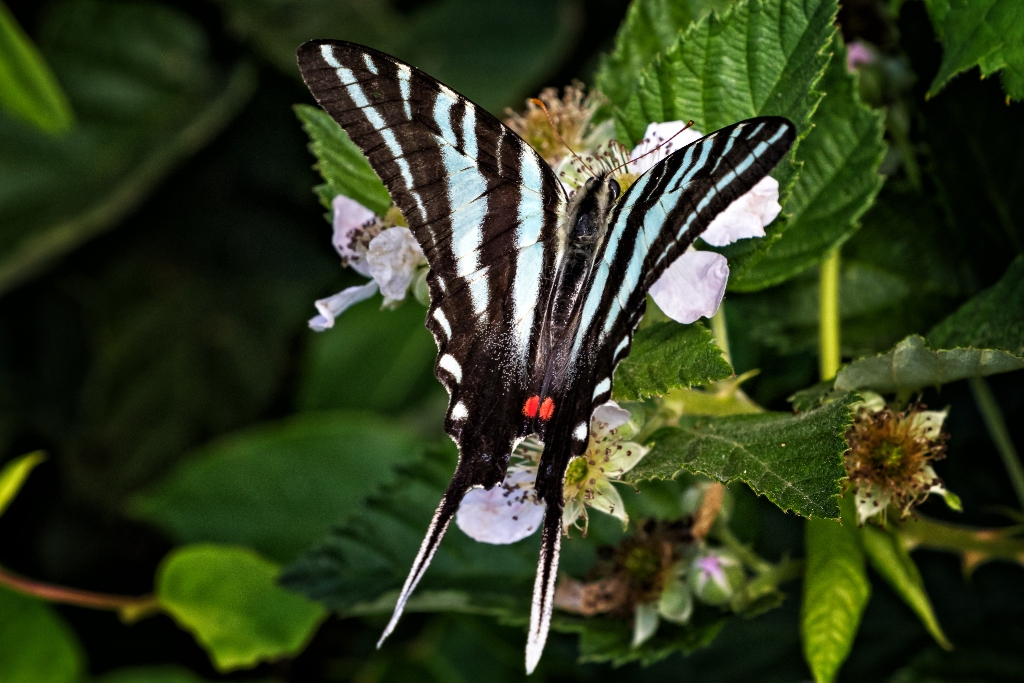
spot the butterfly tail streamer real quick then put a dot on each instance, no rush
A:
(446, 510)
(544, 583)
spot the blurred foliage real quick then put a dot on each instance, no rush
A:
(491, 52)
(229, 599)
(27, 86)
(147, 96)
(161, 255)
(277, 488)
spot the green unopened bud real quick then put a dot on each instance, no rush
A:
(419, 286)
(715, 577)
(676, 602)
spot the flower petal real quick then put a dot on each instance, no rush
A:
(333, 306)
(349, 217)
(928, 423)
(871, 500)
(392, 260)
(608, 416)
(645, 623)
(656, 134)
(747, 216)
(623, 457)
(504, 514)
(693, 286)
(607, 500)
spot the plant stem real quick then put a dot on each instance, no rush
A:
(828, 307)
(718, 327)
(1000, 434)
(131, 607)
(983, 543)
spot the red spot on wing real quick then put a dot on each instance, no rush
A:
(546, 409)
(530, 407)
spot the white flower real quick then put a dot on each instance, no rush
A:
(334, 305)
(351, 220)
(390, 256)
(693, 286)
(507, 513)
(392, 260)
(747, 216)
(588, 479)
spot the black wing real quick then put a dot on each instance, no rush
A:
(653, 223)
(483, 205)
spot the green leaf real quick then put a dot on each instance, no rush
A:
(836, 590)
(371, 360)
(912, 365)
(889, 557)
(279, 487)
(758, 59)
(14, 474)
(794, 460)
(228, 598)
(837, 182)
(341, 164)
(28, 88)
(988, 34)
(147, 96)
(491, 52)
(666, 356)
(36, 646)
(650, 27)
(994, 319)
(359, 567)
(762, 59)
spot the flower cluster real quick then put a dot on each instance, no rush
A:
(378, 248)
(890, 458)
(662, 571)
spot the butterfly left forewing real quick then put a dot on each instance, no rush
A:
(484, 208)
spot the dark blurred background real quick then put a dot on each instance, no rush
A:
(156, 298)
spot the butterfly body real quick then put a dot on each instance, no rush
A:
(534, 295)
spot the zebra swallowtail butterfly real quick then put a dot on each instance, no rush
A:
(534, 295)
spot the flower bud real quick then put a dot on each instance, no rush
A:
(714, 577)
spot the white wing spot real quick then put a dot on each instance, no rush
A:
(460, 412)
(602, 387)
(442, 320)
(580, 433)
(449, 363)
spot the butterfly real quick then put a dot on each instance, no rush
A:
(534, 295)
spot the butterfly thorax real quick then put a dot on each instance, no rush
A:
(582, 232)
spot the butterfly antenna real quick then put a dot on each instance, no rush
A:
(554, 129)
(652, 151)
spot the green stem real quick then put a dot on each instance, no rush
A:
(1000, 434)
(828, 306)
(748, 557)
(987, 543)
(718, 327)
